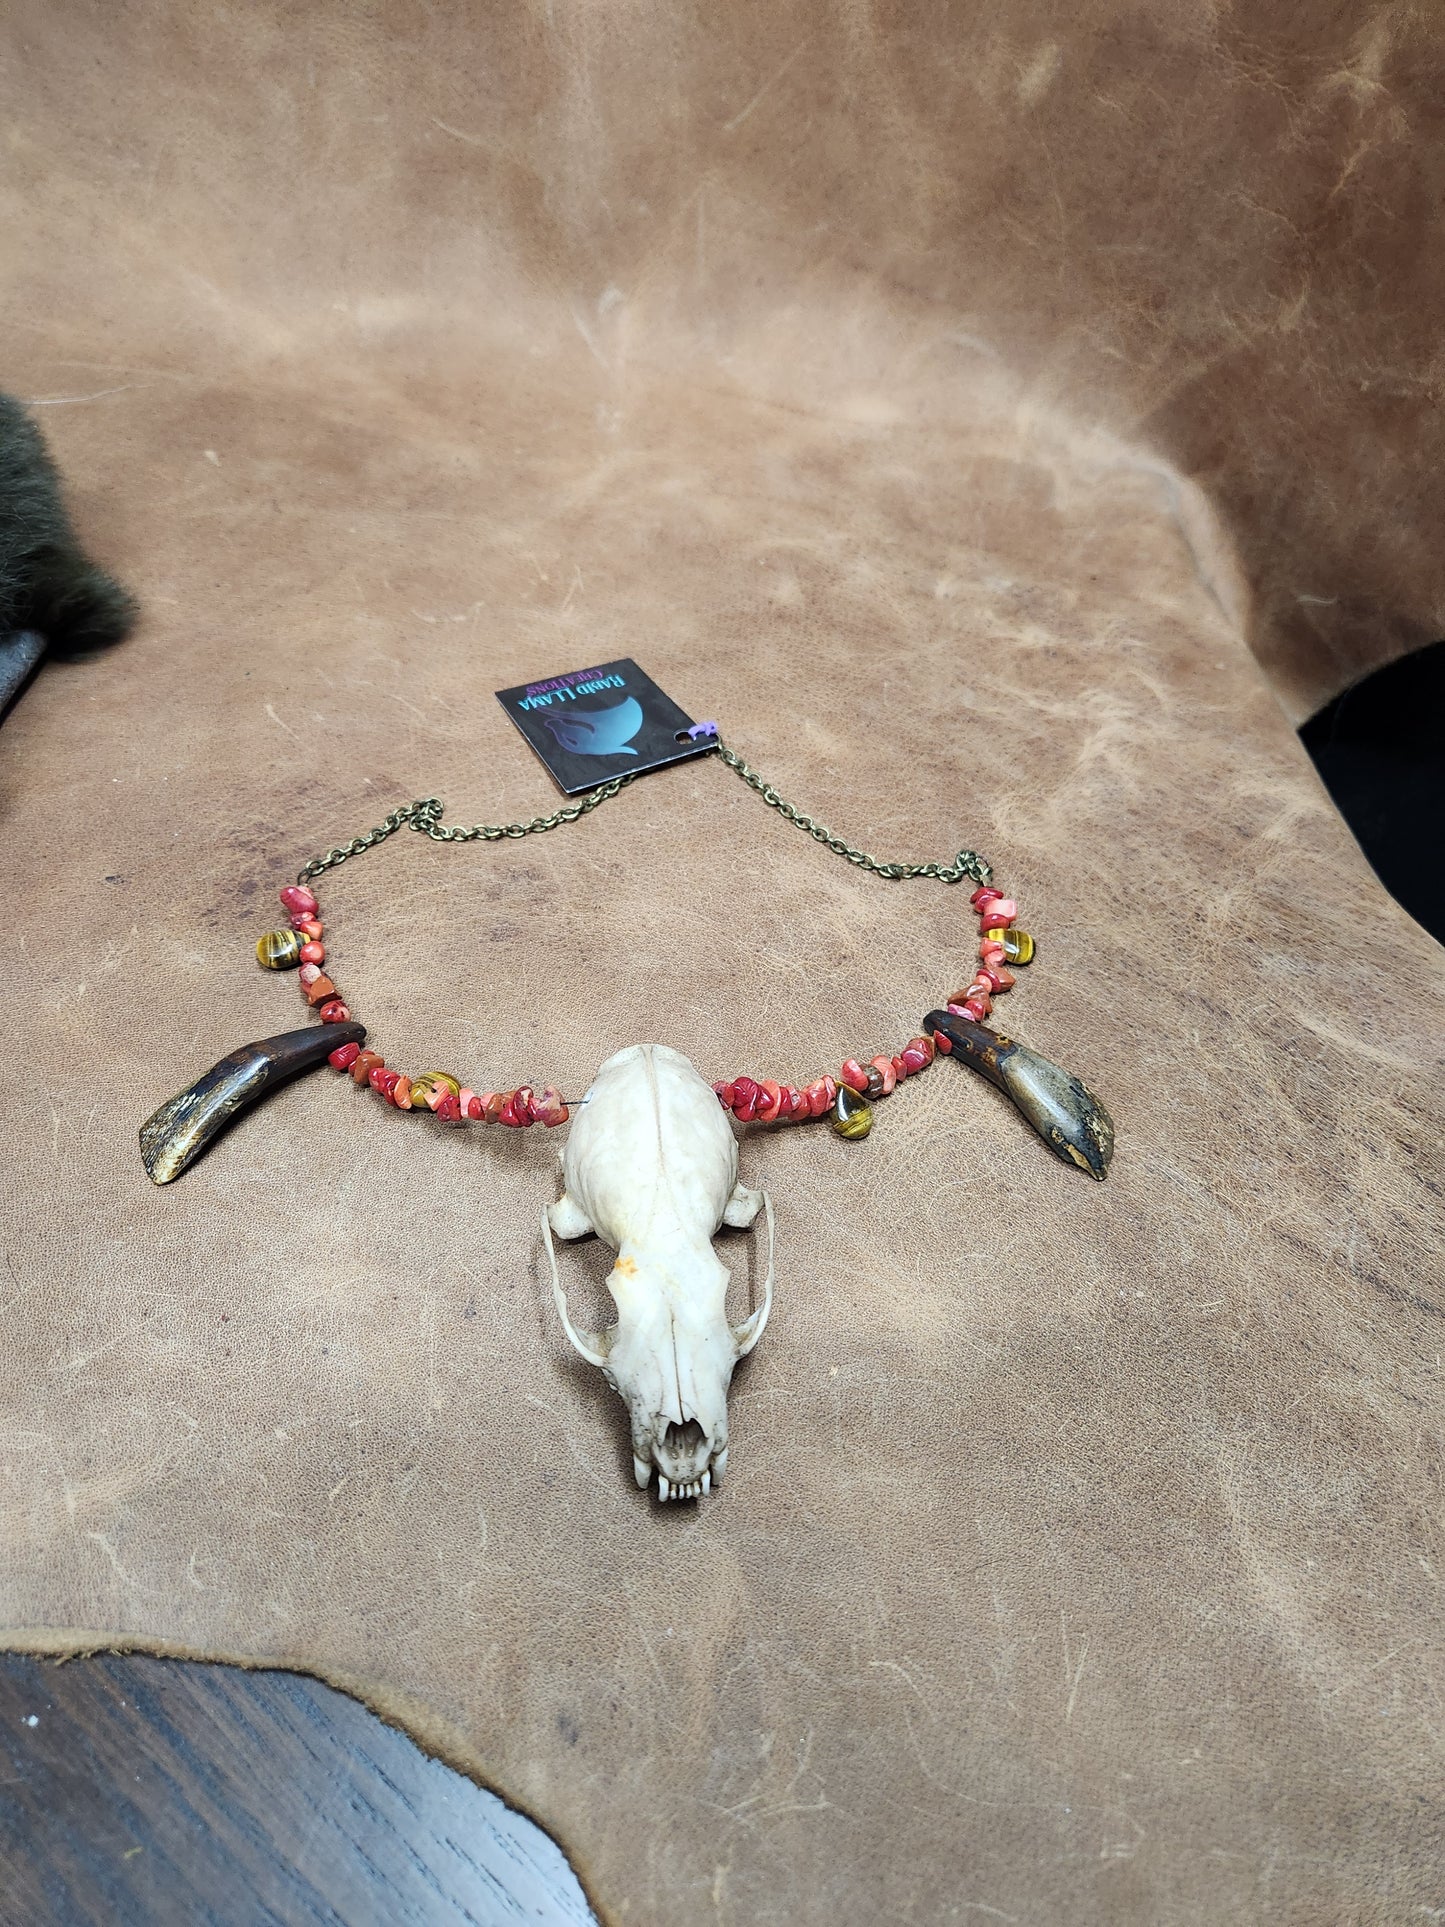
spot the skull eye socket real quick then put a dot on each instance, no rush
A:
(682, 1441)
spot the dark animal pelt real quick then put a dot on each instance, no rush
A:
(49, 587)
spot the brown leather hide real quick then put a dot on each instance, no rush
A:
(962, 404)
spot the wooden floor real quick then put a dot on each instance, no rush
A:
(154, 1792)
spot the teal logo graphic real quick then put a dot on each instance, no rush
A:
(595, 732)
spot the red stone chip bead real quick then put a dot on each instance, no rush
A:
(401, 1093)
(985, 893)
(1001, 911)
(333, 1011)
(307, 927)
(313, 953)
(724, 1090)
(298, 901)
(771, 1101)
(884, 1068)
(549, 1109)
(745, 1099)
(449, 1110)
(913, 1060)
(797, 1103)
(821, 1093)
(853, 1075)
(364, 1063)
(992, 952)
(320, 990)
(381, 1079)
(943, 1043)
(344, 1056)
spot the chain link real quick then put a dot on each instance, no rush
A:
(425, 816)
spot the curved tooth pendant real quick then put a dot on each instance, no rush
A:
(1064, 1111)
(183, 1128)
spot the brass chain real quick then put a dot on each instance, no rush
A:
(426, 812)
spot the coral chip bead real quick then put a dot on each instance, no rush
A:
(853, 1075)
(307, 928)
(380, 1078)
(401, 1093)
(922, 1043)
(770, 1102)
(549, 1109)
(298, 901)
(313, 953)
(797, 1103)
(985, 893)
(992, 951)
(344, 1056)
(912, 1060)
(724, 1093)
(943, 1043)
(449, 1111)
(884, 1068)
(364, 1063)
(333, 1011)
(1000, 912)
(320, 990)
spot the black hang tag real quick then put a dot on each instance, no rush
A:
(593, 724)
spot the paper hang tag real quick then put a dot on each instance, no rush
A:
(593, 724)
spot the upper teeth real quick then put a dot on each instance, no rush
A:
(689, 1489)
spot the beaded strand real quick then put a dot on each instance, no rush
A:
(844, 1099)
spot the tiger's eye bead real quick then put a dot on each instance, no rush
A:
(298, 901)
(1018, 945)
(279, 950)
(852, 1115)
(363, 1064)
(431, 1087)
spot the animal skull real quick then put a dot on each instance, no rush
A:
(651, 1166)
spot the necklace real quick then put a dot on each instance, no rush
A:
(651, 1163)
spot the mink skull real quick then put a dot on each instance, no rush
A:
(651, 1166)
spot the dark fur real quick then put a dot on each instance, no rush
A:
(47, 582)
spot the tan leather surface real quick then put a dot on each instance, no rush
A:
(960, 406)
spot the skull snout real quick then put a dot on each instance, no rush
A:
(685, 1460)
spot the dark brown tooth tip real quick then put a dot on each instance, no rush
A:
(184, 1127)
(1061, 1108)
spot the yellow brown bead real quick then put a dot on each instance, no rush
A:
(852, 1115)
(431, 1087)
(1018, 945)
(279, 950)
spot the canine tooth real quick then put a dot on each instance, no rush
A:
(664, 1490)
(706, 1483)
